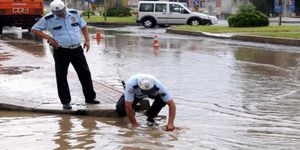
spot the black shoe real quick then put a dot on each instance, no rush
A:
(150, 119)
(137, 107)
(92, 102)
(67, 106)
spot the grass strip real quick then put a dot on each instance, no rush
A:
(130, 19)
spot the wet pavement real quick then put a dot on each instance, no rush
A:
(229, 94)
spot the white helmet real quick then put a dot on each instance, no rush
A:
(146, 82)
(57, 6)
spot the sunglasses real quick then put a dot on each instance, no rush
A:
(59, 12)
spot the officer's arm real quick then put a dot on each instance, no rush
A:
(86, 35)
(130, 114)
(45, 36)
(172, 113)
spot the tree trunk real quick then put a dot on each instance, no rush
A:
(280, 12)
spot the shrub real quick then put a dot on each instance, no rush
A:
(88, 13)
(118, 12)
(250, 8)
(248, 16)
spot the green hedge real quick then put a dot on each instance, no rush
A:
(118, 12)
(88, 13)
(248, 16)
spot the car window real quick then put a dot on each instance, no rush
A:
(161, 8)
(146, 7)
(177, 8)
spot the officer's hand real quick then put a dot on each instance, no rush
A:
(86, 45)
(53, 43)
(170, 127)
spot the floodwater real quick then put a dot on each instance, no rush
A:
(229, 95)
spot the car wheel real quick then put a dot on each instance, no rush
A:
(148, 23)
(195, 22)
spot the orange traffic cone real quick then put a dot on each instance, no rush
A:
(155, 42)
(98, 36)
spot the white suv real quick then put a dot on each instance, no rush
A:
(152, 13)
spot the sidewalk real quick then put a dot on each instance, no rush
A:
(27, 83)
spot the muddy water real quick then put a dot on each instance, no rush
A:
(229, 95)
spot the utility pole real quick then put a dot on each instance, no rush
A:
(280, 11)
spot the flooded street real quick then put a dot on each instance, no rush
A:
(229, 94)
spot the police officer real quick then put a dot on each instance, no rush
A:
(65, 27)
(142, 86)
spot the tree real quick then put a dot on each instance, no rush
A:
(248, 16)
(264, 6)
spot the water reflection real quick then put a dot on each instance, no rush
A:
(65, 127)
(36, 49)
(5, 56)
(72, 136)
(227, 90)
(268, 82)
(278, 59)
(147, 136)
(13, 70)
(25, 41)
(156, 51)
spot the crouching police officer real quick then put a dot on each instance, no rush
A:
(142, 86)
(65, 27)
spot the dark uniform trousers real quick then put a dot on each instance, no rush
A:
(63, 57)
(152, 112)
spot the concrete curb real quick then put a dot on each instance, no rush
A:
(99, 110)
(285, 21)
(270, 40)
(195, 33)
(90, 110)
(246, 38)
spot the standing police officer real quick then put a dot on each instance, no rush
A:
(65, 26)
(141, 86)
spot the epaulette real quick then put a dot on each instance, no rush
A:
(73, 11)
(49, 16)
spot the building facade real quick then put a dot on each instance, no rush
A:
(289, 8)
(223, 8)
(220, 8)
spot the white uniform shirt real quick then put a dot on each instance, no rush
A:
(132, 89)
(66, 31)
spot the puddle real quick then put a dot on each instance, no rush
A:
(5, 56)
(15, 70)
(31, 48)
